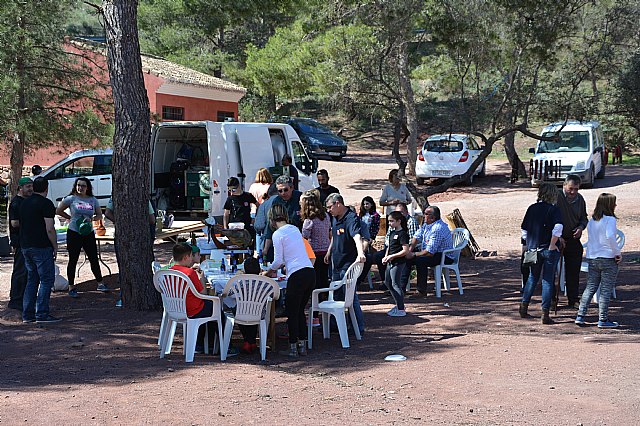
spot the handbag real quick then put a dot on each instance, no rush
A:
(532, 257)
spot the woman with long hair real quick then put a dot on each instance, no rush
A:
(83, 206)
(316, 228)
(396, 261)
(289, 251)
(369, 215)
(604, 258)
(541, 229)
(260, 187)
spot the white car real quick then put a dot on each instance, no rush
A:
(94, 164)
(445, 156)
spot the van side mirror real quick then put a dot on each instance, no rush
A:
(314, 165)
(532, 150)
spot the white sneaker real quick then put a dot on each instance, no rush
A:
(398, 313)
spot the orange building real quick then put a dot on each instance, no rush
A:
(175, 93)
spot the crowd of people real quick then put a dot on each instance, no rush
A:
(283, 221)
(551, 230)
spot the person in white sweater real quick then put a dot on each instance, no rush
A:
(289, 251)
(603, 255)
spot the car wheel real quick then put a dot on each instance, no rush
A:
(592, 178)
(601, 173)
(483, 171)
(420, 181)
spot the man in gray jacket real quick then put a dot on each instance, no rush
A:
(574, 221)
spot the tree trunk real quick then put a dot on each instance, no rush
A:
(397, 136)
(131, 157)
(408, 102)
(518, 170)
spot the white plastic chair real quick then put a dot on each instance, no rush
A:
(254, 295)
(174, 286)
(460, 238)
(337, 308)
(155, 267)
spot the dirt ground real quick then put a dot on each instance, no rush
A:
(470, 358)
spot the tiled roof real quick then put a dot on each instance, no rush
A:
(176, 73)
(172, 72)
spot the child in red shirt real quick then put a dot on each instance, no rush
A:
(183, 255)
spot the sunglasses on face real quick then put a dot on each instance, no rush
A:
(283, 190)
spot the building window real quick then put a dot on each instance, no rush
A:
(172, 113)
(226, 116)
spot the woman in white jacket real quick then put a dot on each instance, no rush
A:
(604, 257)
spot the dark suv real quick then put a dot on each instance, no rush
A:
(318, 139)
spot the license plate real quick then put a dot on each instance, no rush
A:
(441, 172)
(334, 154)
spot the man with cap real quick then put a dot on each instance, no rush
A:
(19, 274)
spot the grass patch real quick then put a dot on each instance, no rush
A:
(630, 159)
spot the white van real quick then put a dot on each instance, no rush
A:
(579, 149)
(94, 164)
(191, 161)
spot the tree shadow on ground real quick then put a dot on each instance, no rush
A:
(97, 343)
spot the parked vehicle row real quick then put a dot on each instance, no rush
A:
(191, 162)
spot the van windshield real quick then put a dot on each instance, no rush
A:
(443, 145)
(569, 142)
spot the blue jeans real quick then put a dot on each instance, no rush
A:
(603, 273)
(546, 268)
(40, 278)
(393, 281)
(339, 295)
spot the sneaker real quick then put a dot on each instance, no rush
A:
(607, 324)
(398, 313)
(48, 319)
(28, 320)
(103, 288)
(315, 322)
(392, 311)
(579, 320)
(119, 303)
(233, 351)
(73, 293)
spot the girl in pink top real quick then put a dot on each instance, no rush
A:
(260, 186)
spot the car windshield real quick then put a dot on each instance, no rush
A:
(311, 127)
(568, 142)
(443, 145)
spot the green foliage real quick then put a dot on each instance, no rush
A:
(47, 95)
(284, 66)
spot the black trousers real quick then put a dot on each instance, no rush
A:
(77, 242)
(18, 280)
(572, 259)
(374, 258)
(212, 327)
(299, 288)
(422, 264)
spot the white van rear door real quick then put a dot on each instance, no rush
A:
(255, 151)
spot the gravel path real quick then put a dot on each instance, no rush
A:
(470, 358)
